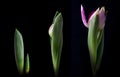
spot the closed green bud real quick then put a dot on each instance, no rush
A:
(56, 40)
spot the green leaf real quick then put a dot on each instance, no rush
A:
(92, 41)
(99, 36)
(19, 51)
(100, 51)
(57, 41)
(27, 64)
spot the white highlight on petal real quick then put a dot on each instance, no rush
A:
(83, 17)
(50, 30)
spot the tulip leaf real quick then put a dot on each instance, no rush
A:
(92, 37)
(92, 41)
(19, 51)
(100, 51)
(99, 36)
(27, 64)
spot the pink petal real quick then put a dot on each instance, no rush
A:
(102, 18)
(83, 17)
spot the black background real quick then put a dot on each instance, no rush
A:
(33, 19)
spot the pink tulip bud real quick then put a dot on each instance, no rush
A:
(99, 12)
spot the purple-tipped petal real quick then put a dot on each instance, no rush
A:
(83, 17)
(102, 18)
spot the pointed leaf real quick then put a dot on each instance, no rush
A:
(19, 51)
(27, 64)
(92, 40)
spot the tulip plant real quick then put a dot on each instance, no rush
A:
(19, 53)
(56, 40)
(95, 25)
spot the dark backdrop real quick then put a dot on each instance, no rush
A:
(79, 51)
